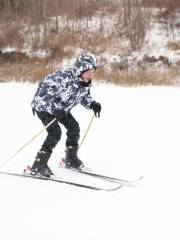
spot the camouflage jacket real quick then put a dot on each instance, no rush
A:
(64, 89)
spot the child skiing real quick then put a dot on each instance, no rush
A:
(56, 95)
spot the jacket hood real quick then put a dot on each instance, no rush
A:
(85, 62)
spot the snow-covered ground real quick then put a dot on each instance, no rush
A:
(138, 134)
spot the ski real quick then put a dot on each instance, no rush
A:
(108, 178)
(117, 180)
(62, 181)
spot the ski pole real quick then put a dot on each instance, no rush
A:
(26, 144)
(87, 130)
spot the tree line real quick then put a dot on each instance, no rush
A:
(38, 9)
(133, 17)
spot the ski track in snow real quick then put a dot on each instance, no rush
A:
(138, 133)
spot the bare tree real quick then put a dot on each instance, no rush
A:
(134, 22)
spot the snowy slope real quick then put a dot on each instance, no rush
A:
(138, 134)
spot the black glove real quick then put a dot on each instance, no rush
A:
(59, 113)
(96, 107)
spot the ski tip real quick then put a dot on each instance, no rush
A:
(115, 188)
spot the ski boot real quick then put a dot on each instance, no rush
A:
(71, 158)
(40, 166)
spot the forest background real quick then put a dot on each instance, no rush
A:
(137, 42)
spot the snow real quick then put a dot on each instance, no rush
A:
(137, 134)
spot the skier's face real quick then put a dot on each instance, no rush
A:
(89, 74)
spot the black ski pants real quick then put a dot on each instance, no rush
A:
(54, 130)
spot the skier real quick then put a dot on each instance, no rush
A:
(56, 95)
